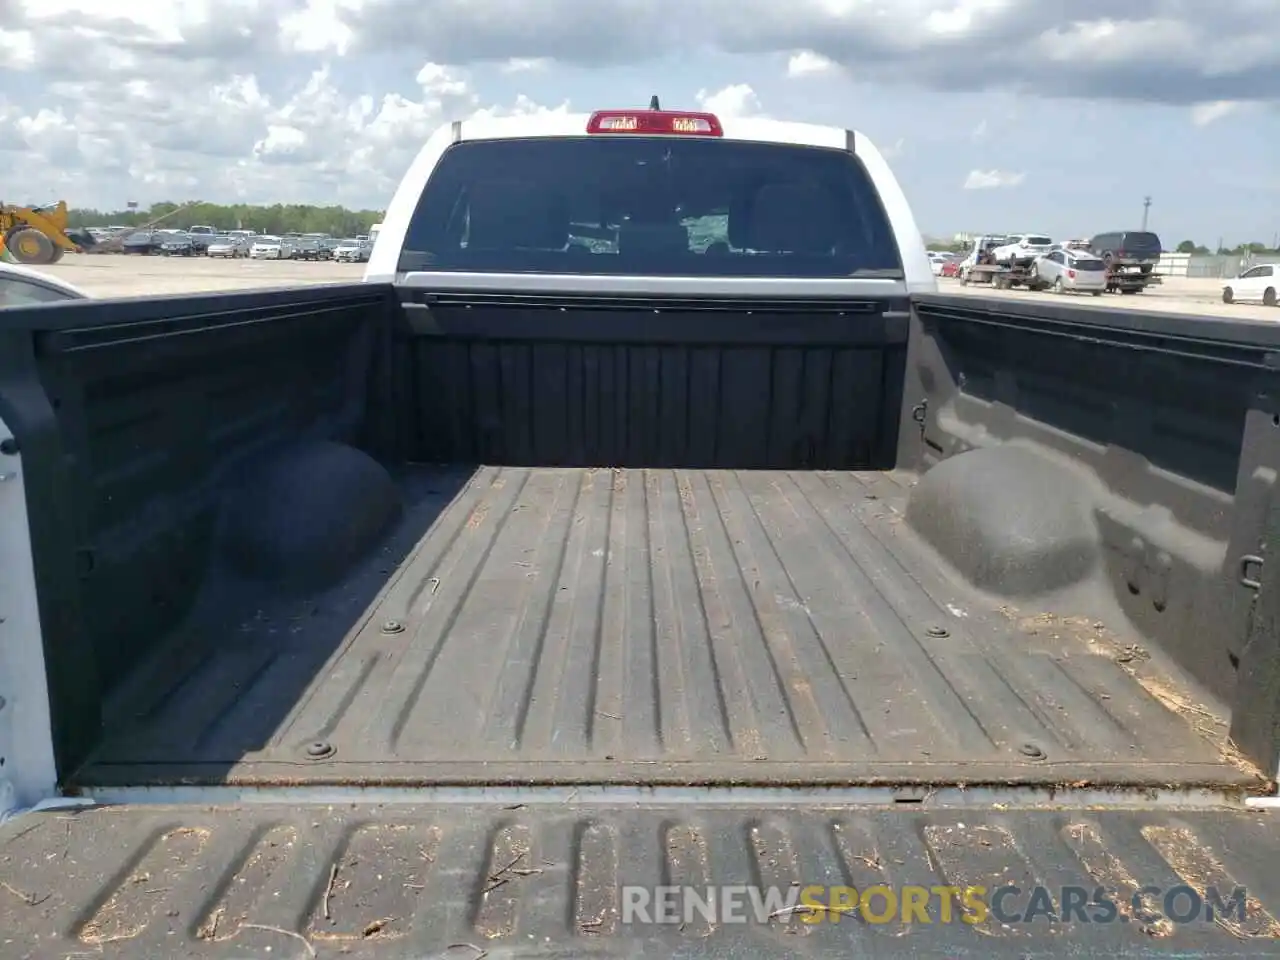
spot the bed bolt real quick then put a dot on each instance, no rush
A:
(392, 626)
(319, 750)
(1032, 751)
(937, 631)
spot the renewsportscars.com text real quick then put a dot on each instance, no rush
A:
(934, 904)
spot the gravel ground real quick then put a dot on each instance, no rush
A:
(107, 275)
(124, 276)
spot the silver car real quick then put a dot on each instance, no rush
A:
(229, 247)
(1072, 271)
(353, 251)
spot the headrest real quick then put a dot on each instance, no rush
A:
(514, 214)
(652, 238)
(792, 218)
(739, 227)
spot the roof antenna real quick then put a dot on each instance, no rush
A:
(653, 103)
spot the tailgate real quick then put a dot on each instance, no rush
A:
(468, 880)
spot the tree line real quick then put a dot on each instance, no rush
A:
(1239, 250)
(275, 219)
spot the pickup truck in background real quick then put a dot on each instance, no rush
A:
(1131, 257)
(455, 612)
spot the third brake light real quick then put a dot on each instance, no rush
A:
(655, 122)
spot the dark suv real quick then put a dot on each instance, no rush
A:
(1130, 249)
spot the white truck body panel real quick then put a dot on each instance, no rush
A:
(918, 272)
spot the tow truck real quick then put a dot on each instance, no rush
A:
(981, 266)
(1128, 278)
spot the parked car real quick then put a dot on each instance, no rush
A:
(1023, 247)
(141, 241)
(271, 248)
(230, 248)
(1072, 271)
(307, 248)
(1259, 283)
(318, 246)
(353, 251)
(937, 260)
(23, 287)
(951, 268)
(176, 243)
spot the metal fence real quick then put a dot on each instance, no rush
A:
(1211, 266)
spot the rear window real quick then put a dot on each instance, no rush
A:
(1142, 242)
(650, 206)
(1082, 263)
(1039, 242)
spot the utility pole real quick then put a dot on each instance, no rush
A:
(1146, 206)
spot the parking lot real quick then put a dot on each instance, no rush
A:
(1174, 295)
(139, 276)
(125, 276)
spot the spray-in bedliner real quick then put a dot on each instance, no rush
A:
(653, 627)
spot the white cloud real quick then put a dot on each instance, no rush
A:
(441, 80)
(806, 63)
(316, 28)
(735, 100)
(17, 49)
(527, 64)
(979, 131)
(1203, 114)
(318, 100)
(1168, 51)
(522, 107)
(280, 140)
(1164, 50)
(112, 139)
(894, 149)
(992, 179)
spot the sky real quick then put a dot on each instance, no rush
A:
(996, 115)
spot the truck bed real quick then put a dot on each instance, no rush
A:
(651, 627)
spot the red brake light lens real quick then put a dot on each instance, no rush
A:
(655, 122)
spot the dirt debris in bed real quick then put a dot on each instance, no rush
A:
(1135, 660)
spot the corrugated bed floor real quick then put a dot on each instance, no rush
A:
(575, 625)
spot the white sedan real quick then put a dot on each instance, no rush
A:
(24, 287)
(271, 248)
(1260, 283)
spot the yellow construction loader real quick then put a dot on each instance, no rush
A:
(39, 235)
